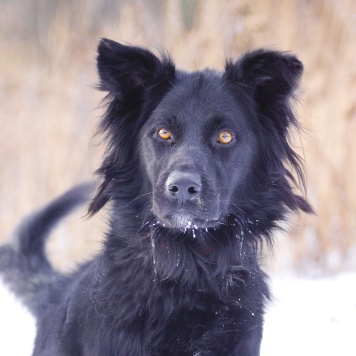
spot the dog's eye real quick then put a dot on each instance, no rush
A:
(164, 134)
(225, 137)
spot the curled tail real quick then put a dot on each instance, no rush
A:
(23, 263)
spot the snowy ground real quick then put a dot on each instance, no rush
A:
(308, 317)
(312, 317)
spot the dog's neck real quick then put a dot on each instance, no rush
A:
(187, 256)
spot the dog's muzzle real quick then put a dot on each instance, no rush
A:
(183, 186)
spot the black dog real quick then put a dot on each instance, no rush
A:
(198, 172)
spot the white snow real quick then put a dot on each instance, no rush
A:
(307, 317)
(312, 317)
(17, 326)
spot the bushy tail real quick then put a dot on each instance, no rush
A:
(23, 263)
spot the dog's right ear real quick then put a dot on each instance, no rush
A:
(136, 80)
(126, 70)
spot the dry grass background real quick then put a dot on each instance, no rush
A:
(48, 107)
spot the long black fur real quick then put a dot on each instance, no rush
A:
(177, 275)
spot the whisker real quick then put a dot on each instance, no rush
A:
(174, 237)
(213, 238)
(139, 197)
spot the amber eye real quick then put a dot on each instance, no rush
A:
(225, 137)
(164, 134)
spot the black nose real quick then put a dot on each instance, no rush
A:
(183, 186)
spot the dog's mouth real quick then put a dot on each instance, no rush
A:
(183, 220)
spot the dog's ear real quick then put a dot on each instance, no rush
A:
(271, 77)
(124, 70)
(136, 80)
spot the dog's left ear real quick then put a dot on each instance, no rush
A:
(271, 77)
(125, 70)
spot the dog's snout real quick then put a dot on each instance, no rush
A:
(183, 186)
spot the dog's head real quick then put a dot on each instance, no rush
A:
(199, 150)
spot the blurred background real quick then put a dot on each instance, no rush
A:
(49, 108)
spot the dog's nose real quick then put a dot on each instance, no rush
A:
(183, 186)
